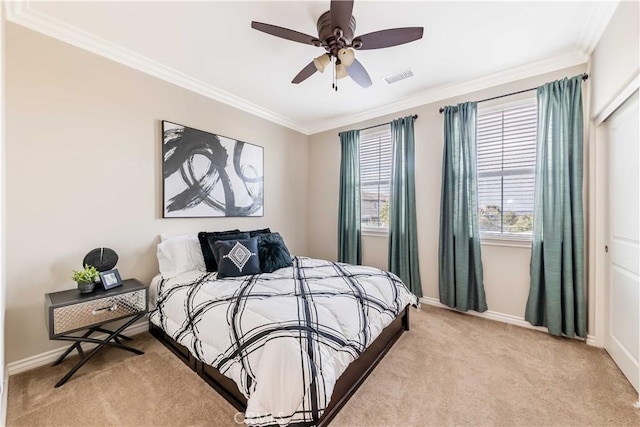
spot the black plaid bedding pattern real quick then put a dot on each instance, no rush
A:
(283, 337)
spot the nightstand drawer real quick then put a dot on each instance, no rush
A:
(82, 315)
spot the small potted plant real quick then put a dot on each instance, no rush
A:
(86, 278)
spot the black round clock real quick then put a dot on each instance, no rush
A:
(102, 259)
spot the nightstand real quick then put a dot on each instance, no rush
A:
(69, 311)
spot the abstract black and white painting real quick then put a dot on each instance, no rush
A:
(208, 175)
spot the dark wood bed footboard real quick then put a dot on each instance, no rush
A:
(345, 387)
(359, 369)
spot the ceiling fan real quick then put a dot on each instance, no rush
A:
(336, 29)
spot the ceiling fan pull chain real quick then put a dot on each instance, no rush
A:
(333, 74)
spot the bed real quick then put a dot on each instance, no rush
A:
(288, 347)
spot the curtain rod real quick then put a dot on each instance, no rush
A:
(585, 76)
(415, 116)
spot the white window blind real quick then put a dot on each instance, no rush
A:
(506, 166)
(375, 177)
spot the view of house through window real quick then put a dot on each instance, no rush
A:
(506, 145)
(375, 177)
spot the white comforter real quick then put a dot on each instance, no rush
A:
(283, 337)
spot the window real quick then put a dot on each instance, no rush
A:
(375, 178)
(506, 170)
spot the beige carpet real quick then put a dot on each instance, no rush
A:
(450, 369)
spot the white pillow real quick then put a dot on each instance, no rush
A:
(164, 237)
(178, 255)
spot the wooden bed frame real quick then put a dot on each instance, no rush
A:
(345, 387)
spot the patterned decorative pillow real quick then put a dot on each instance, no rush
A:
(207, 239)
(237, 257)
(273, 253)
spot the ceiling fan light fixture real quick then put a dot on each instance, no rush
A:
(341, 71)
(321, 62)
(346, 56)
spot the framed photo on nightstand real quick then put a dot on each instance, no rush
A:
(110, 279)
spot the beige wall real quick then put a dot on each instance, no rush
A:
(81, 126)
(3, 228)
(616, 59)
(83, 171)
(506, 269)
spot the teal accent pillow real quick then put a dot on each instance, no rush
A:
(273, 253)
(237, 257)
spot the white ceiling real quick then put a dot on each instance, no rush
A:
(209, 47)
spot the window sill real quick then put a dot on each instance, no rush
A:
(513, 243)
(375, 232)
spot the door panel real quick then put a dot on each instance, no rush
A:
(624, 298)
(623, 337)
(626, 255)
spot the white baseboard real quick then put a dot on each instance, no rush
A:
(591, 340)
(50, 356)
(498, 317)
(5, 394)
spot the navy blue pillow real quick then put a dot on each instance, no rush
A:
(255, 233)
(273, 253)
(207, 239)
(237, 257)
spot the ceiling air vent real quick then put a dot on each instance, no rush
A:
(400, 75)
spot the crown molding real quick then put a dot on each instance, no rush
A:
(442, 92)
(595, 25)
(21, 13)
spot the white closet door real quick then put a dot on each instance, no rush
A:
(623, 335)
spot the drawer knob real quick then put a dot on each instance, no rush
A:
(107, 308)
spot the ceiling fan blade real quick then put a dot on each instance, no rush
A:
(341, 14)
(284, 33)
(390, 37)
(357, 72)
(305, 73)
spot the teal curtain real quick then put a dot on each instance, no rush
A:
(403, 228)
(460, 263)
(557, 294)
(349, 233)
